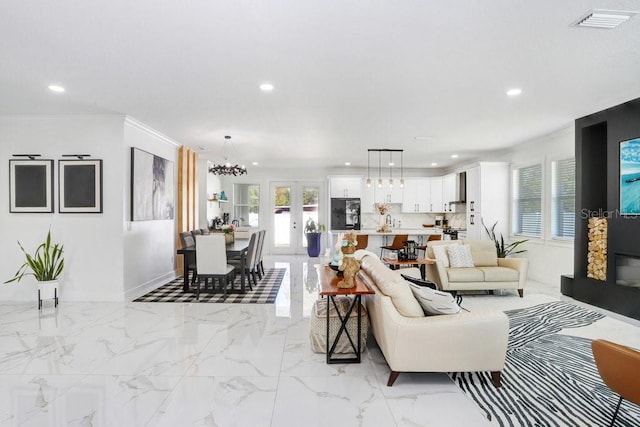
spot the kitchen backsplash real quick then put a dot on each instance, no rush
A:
(413, 220)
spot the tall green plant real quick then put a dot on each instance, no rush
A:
(45, 264)
(503, 250)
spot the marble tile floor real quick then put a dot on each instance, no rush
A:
(162, 364)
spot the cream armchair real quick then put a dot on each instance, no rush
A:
(488, 273)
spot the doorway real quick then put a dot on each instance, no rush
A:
(292, 205)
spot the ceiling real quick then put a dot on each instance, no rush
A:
(348, 75)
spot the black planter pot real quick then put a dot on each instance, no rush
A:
(313, 244)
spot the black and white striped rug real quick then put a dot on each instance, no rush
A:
(264, 293)
(549, 379)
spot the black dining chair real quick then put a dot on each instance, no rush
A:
(250, 260)
(187, 240)
(259, 263)
(211, 261)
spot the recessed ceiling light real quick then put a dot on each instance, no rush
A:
(454, 156)
(347, 163)
(391, 164)
(266, 87)
(254, 163)
(514, 92)
(607, 19)
(434, 164)
(56, 88)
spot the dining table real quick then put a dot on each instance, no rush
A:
(236, 249)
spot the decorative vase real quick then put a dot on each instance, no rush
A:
(313, 244)
(47, 290)
(229, 237)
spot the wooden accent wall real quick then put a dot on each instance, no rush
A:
(187, 198)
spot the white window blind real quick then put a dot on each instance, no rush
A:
(527, 201)
(563, 205)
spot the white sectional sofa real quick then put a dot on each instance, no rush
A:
(413, 342)
(487, 273)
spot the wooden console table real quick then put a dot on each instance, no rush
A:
(329, 288)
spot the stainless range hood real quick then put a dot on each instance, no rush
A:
(461, 189)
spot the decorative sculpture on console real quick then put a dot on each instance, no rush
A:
(349, 265)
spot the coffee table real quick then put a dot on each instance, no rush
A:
(329, 288)
(394, 264)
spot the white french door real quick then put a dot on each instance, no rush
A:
(292, 204)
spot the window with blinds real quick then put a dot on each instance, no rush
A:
(563, 199)
(527, 201)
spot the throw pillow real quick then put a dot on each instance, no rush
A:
(420, 282)
(433, 301)
(460, 256)
(440, 252)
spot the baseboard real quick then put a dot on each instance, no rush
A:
(147, 287)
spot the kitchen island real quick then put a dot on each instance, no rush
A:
(378, 239)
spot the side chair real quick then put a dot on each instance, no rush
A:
(619, 368)
(211, 261)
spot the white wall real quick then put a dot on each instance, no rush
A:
(149, 247)
(92, 242)
(107, 258)
(548, 258)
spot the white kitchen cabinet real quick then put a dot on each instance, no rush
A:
(349, 186)
(368, 201)
(417, 195)
(437, 203)
(389, 195)
(449, 190)
(487, 199)
(473, 189)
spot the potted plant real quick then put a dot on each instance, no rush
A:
(313, 233)
(46, 265)
(503, 250)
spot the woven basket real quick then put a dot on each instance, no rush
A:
(318, 326)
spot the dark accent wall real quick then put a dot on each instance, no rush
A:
(598, 138)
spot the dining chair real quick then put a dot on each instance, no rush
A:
(205, 231)
(259, 263)
(196, 232)
(250, 260)
(187, 240)
(211, 261)
(431, 238)
(363, 241)
(398, 244)
(619, 368)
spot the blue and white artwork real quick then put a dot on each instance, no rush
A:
(630, 177)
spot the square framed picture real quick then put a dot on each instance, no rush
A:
(30, 186)
(80, 186)
(151, 187)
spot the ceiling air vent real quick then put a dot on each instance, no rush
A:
(599, 18)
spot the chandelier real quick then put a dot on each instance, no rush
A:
(227, 168)
(391, 164)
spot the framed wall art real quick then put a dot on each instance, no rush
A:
(630, 177)
(80, 186)
(152, 187)
(30, 186)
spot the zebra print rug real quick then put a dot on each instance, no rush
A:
(549, 379)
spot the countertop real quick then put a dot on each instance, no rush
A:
(411, 231)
